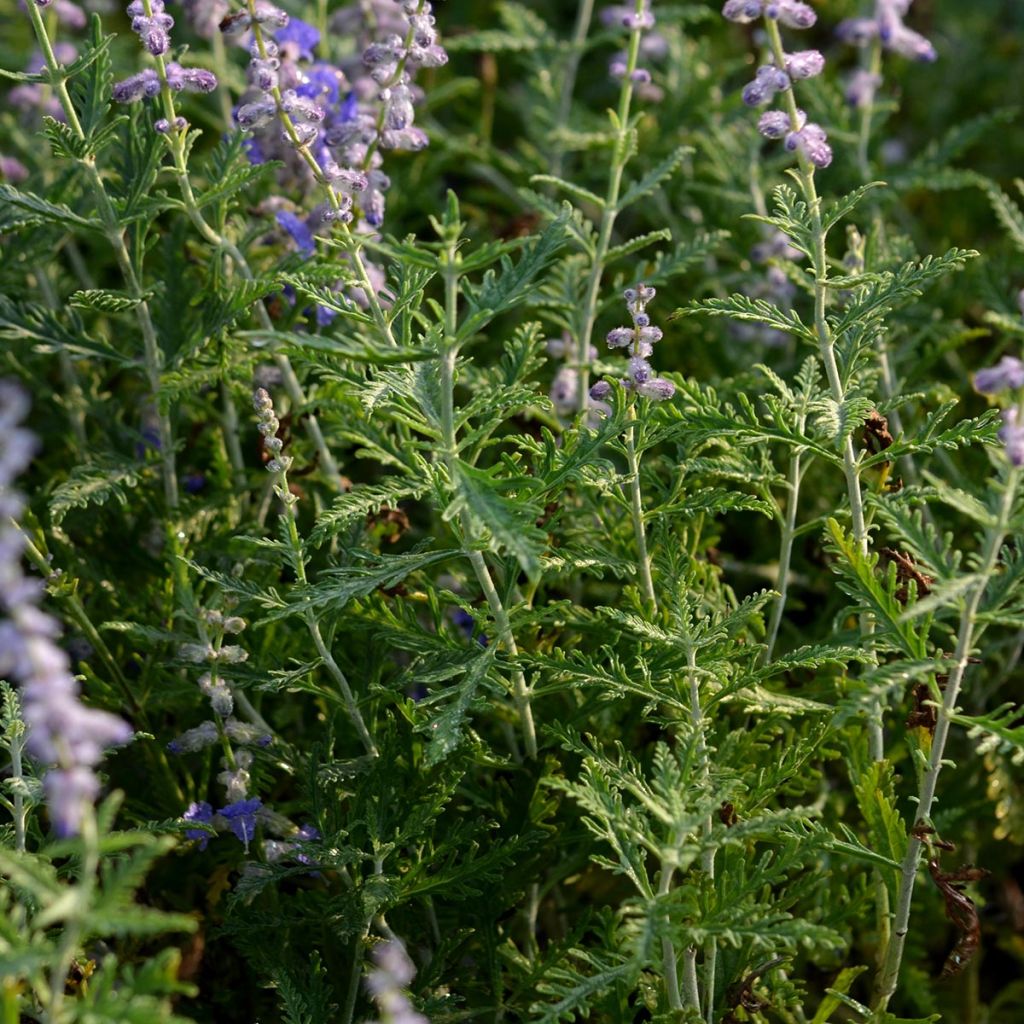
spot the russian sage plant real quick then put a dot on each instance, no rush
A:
(511, 512)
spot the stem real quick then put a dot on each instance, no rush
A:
(17, 785)
(643, 561)
(520, 689)
(609, 211)
(867, 112)
(785, 549)
(584, 14)
(333, 668)
(115, 237)
(668, 950)
(690, 979)
(707, 855)
(826, 349)
(889, 976)
(75, 922)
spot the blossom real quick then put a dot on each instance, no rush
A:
(1007, 374)
(387, 982)
(1011, 433)
(640, 340)
(202, 813)
(241, 818)
(62, 732)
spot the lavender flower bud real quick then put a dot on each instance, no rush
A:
(243, 732)
(640, 370)
(767, 82)
(190, 79)
(908, 43)
(804, 64)
(861, 87)
(253, 116)
(774, 124)
(742, 11)
(267, 14)
(791, 13)
(812, 141)
(600, 391)
(1007, 374)
(565, 390)
(299, 108)
(136, 87)
(203, 735)
(619, 337)
(68, 793)
(857, 31)
(1012, 436)
(657, 389)
(427, 56)
(263, 73)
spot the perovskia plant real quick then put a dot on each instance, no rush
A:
(510, 512)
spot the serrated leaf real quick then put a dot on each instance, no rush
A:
(20, 209)
(758, 311)
(654, 178)
(104, 479)
(506, 525)
(357, 504)
(104, 300)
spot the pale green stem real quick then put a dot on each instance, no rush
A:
(867, 112)
(708, 854)
(609, 212)
(584, 14)
(889, 976)
(292, 386)
(17, 785)
(785, 548)
(115, 237)
(668, 949)
(690, 986)
(76, 398)
(520, 689)
(826, 348)
(333, 668)
(643, 561)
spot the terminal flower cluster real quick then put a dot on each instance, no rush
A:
(62, 732)
(639, 340)
(1006, 375)
(652, 46)
(340, 116)
(887, 27)
(796, 132)
(153, 25)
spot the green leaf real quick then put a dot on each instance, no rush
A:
(636, 244)
(446, 729)
(1001, 729)
(357, 504)
(840, 986)
(104, 300)
(25, 209)
(504, 524)
(834, 212)
(758, 311)
(580, 194)
(106, 478)
(654, 178)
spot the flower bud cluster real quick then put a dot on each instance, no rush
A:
(653, 46)
(153, 26)
(639, 340)
(62, 732)
(388, 982)
(887, 27)
(1007, 375)
(268, 425)
(802, 136)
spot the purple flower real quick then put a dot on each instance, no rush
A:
(203, 813)
(600, 391)
(861, 87)
(1007, 374)
(743, 11)
(774, 124)
(1012, 435)
(791, 13)
(68, 793)
(657, 389)
(190, 79)
(812, 141)
(767, 82)
(298, 229)
(241, 818)
(305, 38)
(137, 87)
(564, 391)
(804, 64)
(620, 337)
